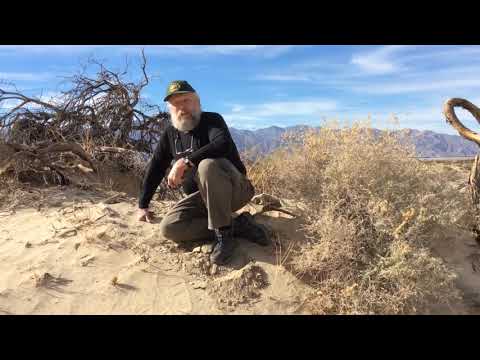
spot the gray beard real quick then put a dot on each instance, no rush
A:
(186, 122)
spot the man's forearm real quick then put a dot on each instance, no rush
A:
(153, 178)
(146, 196)
(155, 171)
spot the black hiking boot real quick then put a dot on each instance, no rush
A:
(225, 246)
(245, 226)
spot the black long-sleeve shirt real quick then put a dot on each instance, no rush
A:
(210, 139)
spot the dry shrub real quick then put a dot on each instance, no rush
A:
(118, 169)
(372, 207)
(406, 281)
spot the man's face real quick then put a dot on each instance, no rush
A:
(185, 111)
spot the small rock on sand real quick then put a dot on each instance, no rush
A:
(87, 261)
(207, 248)
(198, 284)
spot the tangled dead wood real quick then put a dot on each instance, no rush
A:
(105, 110)
(474, 178)
(448, 110)
(98, 118)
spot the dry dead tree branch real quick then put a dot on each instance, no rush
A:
(474, 178)
(448, 110)
(74, 148)
(102, 115)
(107, 109)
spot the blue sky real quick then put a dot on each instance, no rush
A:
(255, 86)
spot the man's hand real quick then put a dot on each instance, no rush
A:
(175, 177)
(145, 215)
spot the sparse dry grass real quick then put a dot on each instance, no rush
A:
(371, 210)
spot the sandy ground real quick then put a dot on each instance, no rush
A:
(462, 253)
(73, 251)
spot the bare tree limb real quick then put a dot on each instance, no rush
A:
(74, 148)
(448, 110)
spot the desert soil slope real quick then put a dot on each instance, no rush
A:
(78, 251)
(81, 250)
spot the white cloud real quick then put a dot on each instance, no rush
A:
(267, 51)
(52, 97)
(383, 71)
(418, 86)
(431, 54)
(278, 113)
(340, 73)
(47, 49)
(394, 59)
(432, 82)
(426, 117)
(237, 108)
(380, 61)
(25, 76)
(388, 61)
(200, 49)
(285, 108)
(284, 77)
(8, 104)
(7, 86)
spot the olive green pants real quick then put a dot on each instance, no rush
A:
(222, 190)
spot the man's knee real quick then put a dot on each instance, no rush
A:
(171, 231)
(209, 166)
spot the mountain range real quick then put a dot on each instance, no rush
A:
(427, 143)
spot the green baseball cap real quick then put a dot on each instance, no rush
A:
(178, 87)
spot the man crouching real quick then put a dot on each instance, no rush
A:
(209, 168)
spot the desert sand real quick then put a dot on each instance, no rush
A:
(77, 251)
(81, 250)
